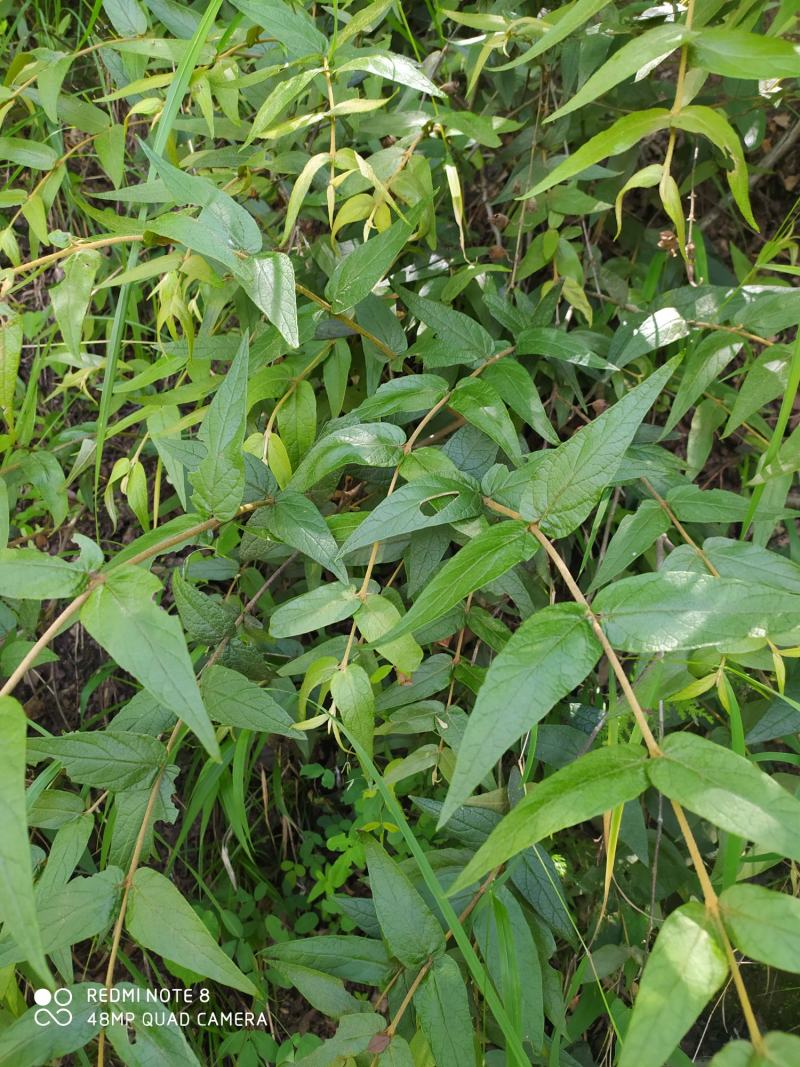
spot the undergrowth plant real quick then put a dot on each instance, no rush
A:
(398, 497)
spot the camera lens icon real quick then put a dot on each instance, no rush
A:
(60, 1014)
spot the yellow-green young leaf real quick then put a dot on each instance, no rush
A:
(359, 272)
(624, 134)
(442, 1009)
(135, 488)
(394, 68)
(568, 482)
(592, 784)
(219, 480)
(160, 919)
(777, 1050)
(375, 618)
(10, 350)
(668, 610)
(483, 559)
(763, 924)
(278, 461)
(646, 48)
(268, 280)
(149, 644)
(671, 202)
(645, 178)
(353, 696)
(683, 972)
(409, 927)
(548, 656)
(26, 574)
(300, 191)
(17, 906)
(480, 404)
(278, 100)
(36, 216)
(738, 54)
(728, 791)
(70, 298)
(711, 124)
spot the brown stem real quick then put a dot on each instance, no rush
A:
(681, 530)
(52, 631)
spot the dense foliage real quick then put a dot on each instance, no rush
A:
(400, 573)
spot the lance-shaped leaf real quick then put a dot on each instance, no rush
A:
(409, 927)
(70, 298)
(634, 535)
(483, 559)
(319, 607)
(738, 54)
(548, 656)
(711, 124)
(233, 700)
(680, 609)
(219, 480)
(571, 478)
(149, 644)
(27, 574)
(293, 519)
(592, 784)
(418, 505)
(373, 444)
(104, 759)
(683, 972)
(17, 905)
(360, 271)
(481, 404)
(268, 280)
(442, 1009)
(764, 924)
(729, 791)
(161, 919)
(352, 693)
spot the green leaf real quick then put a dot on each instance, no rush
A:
(445, 500)
(324, 992)
(547, 657)
(711, 124)
(268, 280)
(352, 693)
(455, 328)
(417, 392)
(738, 54)
(515, 385)
(634, 535)
(160, 919)
(624, 134)
(571, 17)
(311, 611)
(570, 479)
(26, 1042)
(369, 444)
(105, 759)
(596, 782)
(297, 421)
(204, 618)
(684, 970)
(10, 352)
(278, 100)
(292, 26)
(126, 16)
(347, 956)
(483, 559)
(394, 68)
(359, 272)
(705, 363)
(294, 520)
(149, 644)
(646, 48)
(26, 153)
(219, 480)
(353, 1037)
(728, 791)
(71, 297)
(17, 907)
(762, 924)
(481, 404)
(777, 1050)
(26, 574)
(234, 701)
(670, 610)
(409, 927)
(70, 913)
(442, 1011)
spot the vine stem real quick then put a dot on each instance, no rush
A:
(654, 750)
